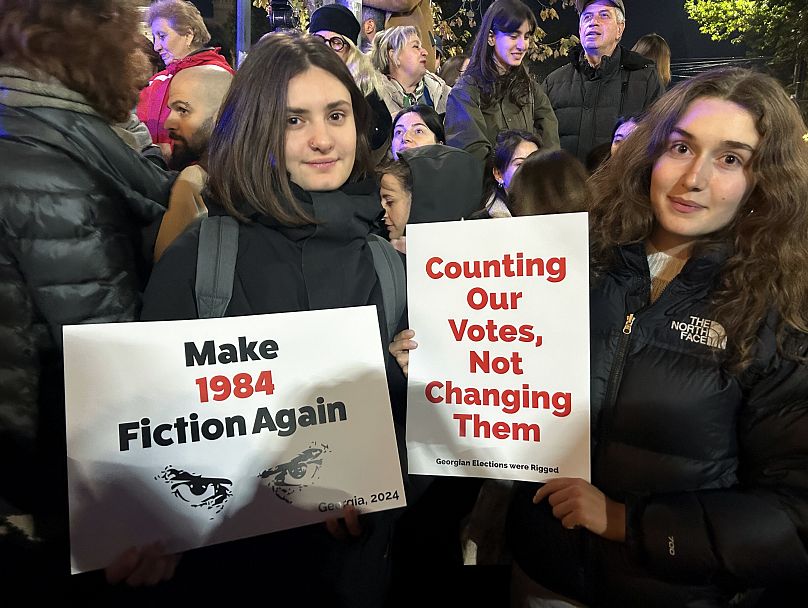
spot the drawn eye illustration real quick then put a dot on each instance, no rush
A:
(197, 490)
(301, 471)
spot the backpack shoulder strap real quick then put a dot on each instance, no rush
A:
(392, 278)
(215, 265)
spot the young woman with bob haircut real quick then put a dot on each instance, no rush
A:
(496, 92)
(699, 321)
(180, 37)
(289, 160)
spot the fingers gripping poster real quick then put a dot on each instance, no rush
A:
(199, 432)
(499, 382)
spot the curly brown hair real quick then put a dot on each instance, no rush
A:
(765, 270)
(92, 47)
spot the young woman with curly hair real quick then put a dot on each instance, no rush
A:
(496, 93)
(699, 321)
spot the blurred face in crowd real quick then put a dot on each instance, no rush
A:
(336, 42)
(520, 153)
(703, 176)
(411, 132)
(396, 202)
(599, 29)
(410, 66)
(510, 47)
(320, 131)
(621, 133)
(170, 44)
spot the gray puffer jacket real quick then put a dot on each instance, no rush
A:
(74, 199)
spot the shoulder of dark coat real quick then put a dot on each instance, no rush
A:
(634, 61)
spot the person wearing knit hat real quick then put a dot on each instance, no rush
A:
(580, 5)
(339, 29)
(335, 23)
(615, 80)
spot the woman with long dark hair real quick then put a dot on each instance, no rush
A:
(496, 92)
(699, 320)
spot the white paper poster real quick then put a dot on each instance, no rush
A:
(199, 432)
(499, 383)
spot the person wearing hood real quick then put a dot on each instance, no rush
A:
(605, 80)
(180, 36)
(73, 200)
(432, 183)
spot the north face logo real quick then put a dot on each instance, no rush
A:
(702, 331)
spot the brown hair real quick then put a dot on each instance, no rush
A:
(765, 270)
(51, 36)
(655, 47)
(549, 181)
(247, 159)
(398, 169)
(182, 17)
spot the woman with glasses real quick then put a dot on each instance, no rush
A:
(399, 55)
(337, 27)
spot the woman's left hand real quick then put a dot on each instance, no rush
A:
(577, 503)
(347, 526)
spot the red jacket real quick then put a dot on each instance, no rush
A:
(152, 107)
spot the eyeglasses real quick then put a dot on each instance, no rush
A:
(337, 43)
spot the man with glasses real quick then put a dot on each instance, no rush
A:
(604, 81)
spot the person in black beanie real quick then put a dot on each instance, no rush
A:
(339, 29)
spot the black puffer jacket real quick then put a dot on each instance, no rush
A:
(287, 269)
(73, 201)
(713, 468)
(587, 101)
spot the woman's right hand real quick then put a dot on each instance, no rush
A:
(401, 346)
(142, 567)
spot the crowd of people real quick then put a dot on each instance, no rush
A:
(324, 141)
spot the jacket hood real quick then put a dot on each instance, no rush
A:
(23, 89)
(447, 183)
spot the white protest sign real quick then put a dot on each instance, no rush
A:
(199, 432)
(499, 383)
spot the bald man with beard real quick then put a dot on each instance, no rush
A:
(194, 98)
